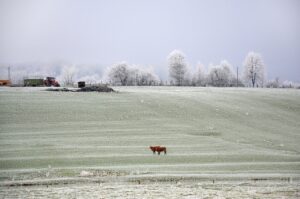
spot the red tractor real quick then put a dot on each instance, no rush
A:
(50, 81)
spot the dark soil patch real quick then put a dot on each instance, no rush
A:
(99, 88)
(103, 88)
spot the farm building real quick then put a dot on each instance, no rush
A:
(5, 82)
(81, 84)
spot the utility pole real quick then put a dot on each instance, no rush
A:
(237, 76)
(8, 70)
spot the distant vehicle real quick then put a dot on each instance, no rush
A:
(50, 81)
(34, 82)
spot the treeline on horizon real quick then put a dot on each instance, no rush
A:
(221, 75)
(253, 74)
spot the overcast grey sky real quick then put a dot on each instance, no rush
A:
(145, 32)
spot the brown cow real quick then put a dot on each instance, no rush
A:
(158, 149)
(153, 149)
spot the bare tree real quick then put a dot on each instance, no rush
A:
(90, 79)
(254, 69)
(177, 67)
(68, 75)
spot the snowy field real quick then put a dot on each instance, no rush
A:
(185, 190)
(221, 142)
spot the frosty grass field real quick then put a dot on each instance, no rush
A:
(221, 142)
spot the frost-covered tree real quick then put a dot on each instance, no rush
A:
(215, 76)
(118, 74)
(138, 76)
(188, 77)
(132, 76)
(221, 75)
(147, 78)
(177, 67)
(254, 69)
(273, 83)
(287, 84)
(123, 74)
(228, 72)
(199, 78)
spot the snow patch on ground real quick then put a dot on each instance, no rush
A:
(86, 173)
